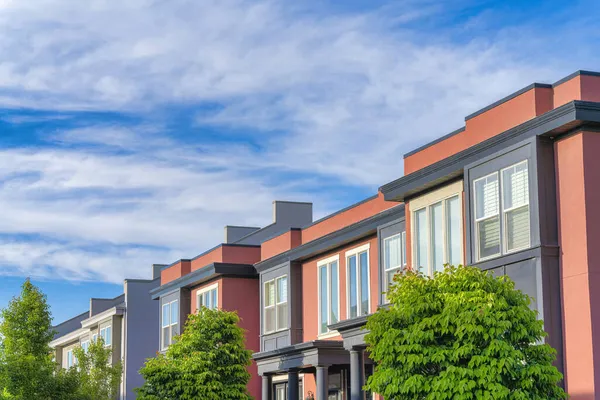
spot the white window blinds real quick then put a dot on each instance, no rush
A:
(515, 182)
(486, 216)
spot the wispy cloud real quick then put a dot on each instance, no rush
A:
(235, 103)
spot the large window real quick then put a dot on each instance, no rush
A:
(106, 335)
(437, 222)
(276, 304)
(329, 293)
(71, 359)
(358, 293)
(502, 222)
(85, 345)
(170, 322)
(394, 257)
(207, 297)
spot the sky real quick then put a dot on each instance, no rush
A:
(132, 132)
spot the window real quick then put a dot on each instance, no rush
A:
(94, 337)
(276, 304)
(394, 257)
(357, 262)
(85, 345)
(502, 222)
(170, 322)
(71, 359)
(329, 300)
(437, 222)
(106, 335)
(207, 297)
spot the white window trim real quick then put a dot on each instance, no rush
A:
(503, 211)
(104, 328)
(327, 261)
(83, 343)
(170, 326)
(200, 292)
(401, 267)
(275, 304)
(425, 202)
(355, 252)
(484, 218)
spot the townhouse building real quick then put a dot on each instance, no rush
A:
(512, 192)
(123, 323)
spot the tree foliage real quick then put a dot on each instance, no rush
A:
(463, 335)
(208, 361)
(27, 370)
(98, 378)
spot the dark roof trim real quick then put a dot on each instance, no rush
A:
(299, 348)
(142, 280)
(340, 211)
(251, 234)
(208, 251)
(85, 314)
(242, 226)
(204, 274)
(573, 75)
(349, 324)
(552, 123)
(508, 98)
(449, 135)
(335, 239)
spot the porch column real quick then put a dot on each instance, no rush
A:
(292, 387)
(266, 387)
(357, 374)
(322, 382)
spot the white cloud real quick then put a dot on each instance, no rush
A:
(328, 96)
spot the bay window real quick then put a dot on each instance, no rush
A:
(394, 257)
(437, 229)
(275, 297)
(357, 262)
(502, 220)
(207, 297)
(328, 292)
(170, 322)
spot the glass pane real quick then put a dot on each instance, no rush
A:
(392, 252)
(108, 336)
(324, 297)
(201, 302)
(270, 293)
(352, 277)
(453, 217)
(364, 283)
(174, 312)
(437, 237)
(166, 337)
(335, 297)
(174, 331)
(165, 315)
(517, 228)
(421, 242)
(403, 250)
(515, 186)
(207, 300)
(214, 298)
(390, 276)
(486, 196)
(282, 288)
(282, 316)
(270, 319)
(489, 237)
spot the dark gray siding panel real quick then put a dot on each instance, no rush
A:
(282, 338)
(383, 232)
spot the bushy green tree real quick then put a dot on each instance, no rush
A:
(27, 371)
(208, 361)
(98, 378)
(463, 335)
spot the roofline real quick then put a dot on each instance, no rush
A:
(501, 101)
(141, 280)
(351, 206)
(280, 234)
(208, 251)
(73, 318)
(253, 233)
(292, 202)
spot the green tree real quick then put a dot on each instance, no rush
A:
(463, 335)
(27, 371)
(98, 378)
(208, 361)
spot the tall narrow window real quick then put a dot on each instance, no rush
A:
(208, 298)
(85, 345)
(276, 304)
(70, 359)
(436, 231)
(454, 237)
(421, 240)
(515, 207)
(357, 262)
(487, 216)
(106, 335)
(393, 257)
(170, 322)
(328, 295)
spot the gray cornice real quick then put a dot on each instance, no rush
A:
(299, 348)
(335, 239)
(204, 274)
(553, 123)
(349, 324)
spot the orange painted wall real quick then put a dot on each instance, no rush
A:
(279, 244)
(346, 218)
(310, 309)
(242, 295)
(578, 194)
(241, 254)
(175, 271)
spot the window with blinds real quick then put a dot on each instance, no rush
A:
(502, 220)
(276, 304)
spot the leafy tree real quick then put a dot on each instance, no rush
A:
(27, 370)
(98, 378)
(463, 335)
(208, 361)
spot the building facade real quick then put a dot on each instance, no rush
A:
(123, 323)
(512, 192)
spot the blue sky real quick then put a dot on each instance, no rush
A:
(132, 132)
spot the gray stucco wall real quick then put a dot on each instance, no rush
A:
(99, 305)
(141, 331)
